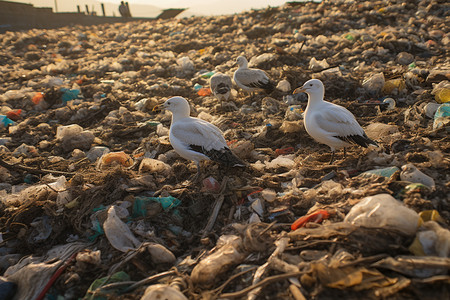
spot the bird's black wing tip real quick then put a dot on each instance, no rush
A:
(361, 140)
(223, 156)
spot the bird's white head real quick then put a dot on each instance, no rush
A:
(178, 106)
(313, 87)
(241, 61)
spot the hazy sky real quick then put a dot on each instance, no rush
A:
(207, 7)
(237, 5)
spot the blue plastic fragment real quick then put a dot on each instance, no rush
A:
(6, 121)
(69, 95)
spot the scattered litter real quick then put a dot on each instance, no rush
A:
(96, 204)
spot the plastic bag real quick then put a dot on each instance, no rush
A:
(118, 233)
(383, 210)
(228, 253)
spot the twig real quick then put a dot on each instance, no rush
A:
(55, 276)
(217, 206)
(220, 288)
(128, 256)
(33, 170)
(368, 259)
(316, 243)
(301, 47)
(212, 219)
(267, 228)
(295, 291)
(149, 279)
(262, 283)
(117, 284)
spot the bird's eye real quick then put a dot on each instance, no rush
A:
(310, 84)
(168, 103)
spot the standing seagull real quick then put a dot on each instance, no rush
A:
(221, 86)
(251, 80)
(195, 139)
(328, 123)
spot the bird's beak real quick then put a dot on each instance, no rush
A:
(299, 90)
(158, 108)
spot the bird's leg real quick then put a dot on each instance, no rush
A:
(196, 177)
(345, 154)
(332, 157)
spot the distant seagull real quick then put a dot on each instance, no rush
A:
(328, 123)
(221, 86)
(195, 139)
(251, 80)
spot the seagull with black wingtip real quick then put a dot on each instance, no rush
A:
(329, 123)
(196, 139)
(251, 80)
(221, 86)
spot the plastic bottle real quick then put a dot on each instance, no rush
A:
(442, 116)
(443, 95)
(207, 74)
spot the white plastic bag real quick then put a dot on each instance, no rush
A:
(383, 210)
(118, 233)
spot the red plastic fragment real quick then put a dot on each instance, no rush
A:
(316, 217)
(14, 114)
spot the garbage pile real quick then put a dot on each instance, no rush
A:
(96, 204)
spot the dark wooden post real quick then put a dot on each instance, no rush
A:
(87, 9)
(79, 9)
(103, 9)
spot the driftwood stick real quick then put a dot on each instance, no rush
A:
(217, 206)
(15, 167)
(262, 283)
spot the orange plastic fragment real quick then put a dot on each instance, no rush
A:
(14, 114)
(316, 217)
(37, 98)
(229, 143)
(284, 151)
(119, 157)
(204, 92)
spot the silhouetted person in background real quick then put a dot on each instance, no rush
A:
(128, 10)
(123, 9)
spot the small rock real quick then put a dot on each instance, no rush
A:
(405, 58)
(284, 85)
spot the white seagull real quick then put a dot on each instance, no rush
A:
(328, 123)
(195, 139)
(251, 80)
(221, 86)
